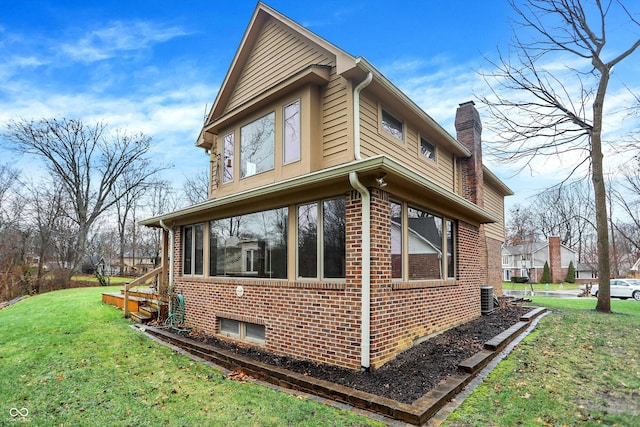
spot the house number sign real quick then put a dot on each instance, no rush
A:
(239, 291)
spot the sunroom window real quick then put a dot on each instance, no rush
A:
(252, 245)
(396, 240)
(193, 249)
(322, 239)
(431, 244)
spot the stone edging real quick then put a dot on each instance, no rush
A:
(415, 413)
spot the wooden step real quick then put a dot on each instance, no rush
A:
(149, 310)
(140, 317)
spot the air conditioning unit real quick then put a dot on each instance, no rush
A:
(486, 300)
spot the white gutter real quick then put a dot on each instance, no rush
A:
(170, 260)
(365, 278)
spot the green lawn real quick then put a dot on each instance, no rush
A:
(70, 360)
(578, 367)
(540, 286)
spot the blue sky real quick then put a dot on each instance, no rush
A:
(154, 66)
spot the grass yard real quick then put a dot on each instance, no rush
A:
(510, 286)
(69, 360)
(578, 367)
(113, 280)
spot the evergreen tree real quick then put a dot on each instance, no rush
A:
(546, 274)
(571, 274)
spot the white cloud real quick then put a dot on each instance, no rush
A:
(117, 38)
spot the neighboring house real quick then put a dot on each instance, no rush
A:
(343, 222)
(137, 265)
(527, 260)
(586, 273)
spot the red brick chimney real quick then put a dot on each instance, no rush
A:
(469, 130)
(555, 260)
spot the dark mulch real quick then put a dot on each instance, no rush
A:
(412, 373)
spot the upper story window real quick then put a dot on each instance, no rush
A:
(427, 149)
(257, 146)
(291, 132)
(392, 125)
(505, 259)
(193, 249)
(227, 166)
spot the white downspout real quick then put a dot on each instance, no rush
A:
(365, 312)
(365, 315)
(170, 260)
(356, 114)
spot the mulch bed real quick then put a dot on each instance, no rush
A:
(411, 374)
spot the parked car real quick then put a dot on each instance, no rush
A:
(622, 288)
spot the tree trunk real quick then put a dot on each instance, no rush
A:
(599, 189)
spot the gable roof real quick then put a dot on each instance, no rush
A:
(346, 65)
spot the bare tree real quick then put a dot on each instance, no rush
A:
(196, 187)
(544, 111)
(88, 162)
(46, 206)
(11, 237)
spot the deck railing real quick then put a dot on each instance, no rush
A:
(144, 279)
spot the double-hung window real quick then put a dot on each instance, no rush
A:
(427, 149)
(392, 125)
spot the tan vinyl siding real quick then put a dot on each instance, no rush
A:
(337, 141)
(494, 203)
(376, 141)
(277, 54)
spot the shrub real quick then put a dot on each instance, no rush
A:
(571, 273)
(546, 274)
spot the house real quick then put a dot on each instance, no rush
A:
(343, 223)
(528, 259)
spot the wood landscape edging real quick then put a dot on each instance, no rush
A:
(415, 413)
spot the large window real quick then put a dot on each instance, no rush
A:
(431, 244)
(252, 245)
(193, 249)
(392, 125)
(257, 145)
(324, 256)
(227, 164)
(291, 143)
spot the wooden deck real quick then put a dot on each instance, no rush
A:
(144, 304)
